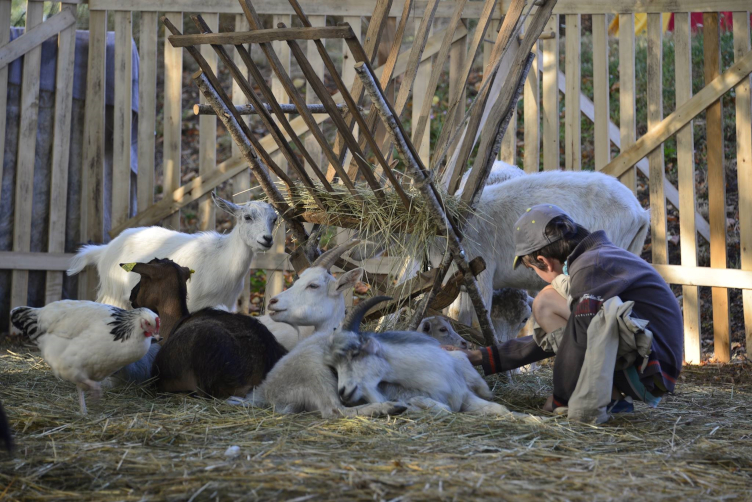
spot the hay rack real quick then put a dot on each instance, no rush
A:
(482, 125)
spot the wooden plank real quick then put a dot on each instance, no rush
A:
(508, 150)
(672, 194)
(147, 108)
(705, 276)
(61, 131)
(601, 99)
(241, 183)
(572, 121)
(550, 97)
(420, 93)
(27, 133)
(233, 166)
(744, 162)
(659, 237)
(627, 107)
(121, 151)
(457, 89)
(348, 77)
(35, 36)
(92, 206)
(53, 263)
(5, 11)
(685, 163)
(424, 113)
(531, 110)
(680, 117)
(275, 281)
(318, 66)
(207, 146)
(472, 9)
(716, 186)
(173, 112)
(318, 32)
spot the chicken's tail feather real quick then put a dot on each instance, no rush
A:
(25, 319)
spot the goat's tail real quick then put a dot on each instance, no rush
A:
(87, 255)
(638, 241)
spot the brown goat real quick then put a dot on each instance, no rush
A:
(211, 352)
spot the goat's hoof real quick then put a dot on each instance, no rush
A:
(397, 409)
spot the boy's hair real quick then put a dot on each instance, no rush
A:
(568, 235)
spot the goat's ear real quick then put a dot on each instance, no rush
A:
(370, 345)
(530, 301)
(141, 269)
(348, 280)
(225, 205)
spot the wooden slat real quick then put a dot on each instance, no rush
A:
(744, 162)
(716, 186)
(681, 116)
(60, 151)
(531, 101)
(457, 89)
(424, 114)
(655, 159)
(241, 183)
(705, 276)
(601, 91)
(121, 151)
(472, 10)
(5, 10)
(27, 133)
(572, 121)
(348, 77)
(318, 32)
(34, 37)
(420, 92)
(318, 65)
(207, 147)
(627, 107)
(147, 108)
(550, 96)
(508, 150)
(275, 281)
(173, 94)
(92, 205)
(685, 163)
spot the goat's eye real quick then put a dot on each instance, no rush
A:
(443, 330)
(524, 321)
(313, 286)
(426, 328)
(247, 217)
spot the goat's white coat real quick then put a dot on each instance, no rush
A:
(221, 261)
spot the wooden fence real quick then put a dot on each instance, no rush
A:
(541, 143)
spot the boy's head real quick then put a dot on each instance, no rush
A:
(544, 236)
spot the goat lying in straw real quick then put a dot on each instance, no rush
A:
(376, 367)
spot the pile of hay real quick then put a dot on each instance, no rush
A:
(137, 446)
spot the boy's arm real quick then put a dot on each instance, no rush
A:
(508, 355)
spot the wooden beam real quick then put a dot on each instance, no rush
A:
(550, 97)
(147, 109)
(602, 118)
(172, 118)
(262, 36)
(531, 112)
(627, 93)
(711, 33)
(207, 138)
(248, 109)
(680, 117)
(744, 162)
(121, 134)
(659, 237)
(35, 36)
(706, 276)
(365, 7)
(685, 163)
(27, 132)
(573, 115)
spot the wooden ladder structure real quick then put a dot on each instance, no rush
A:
(483, 124)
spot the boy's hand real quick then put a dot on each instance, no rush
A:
(474, 356)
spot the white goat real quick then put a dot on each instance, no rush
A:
(510, 310)
(440, 329)
(500, 172)
(411, 364)
(301, 381)
(221, 261)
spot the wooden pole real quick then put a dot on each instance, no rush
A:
(423, 183)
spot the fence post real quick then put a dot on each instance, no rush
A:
(601, 99)
(121, 135)
(207, 147)
(531, 101)
(147, 108)
(655, 159)
(627, 112)
(172, 127)
(572, 118)
(550, 96)
(744, 163)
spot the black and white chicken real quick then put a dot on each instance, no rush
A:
(85, 342)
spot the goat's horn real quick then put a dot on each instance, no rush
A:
(353, 320)
(327, 259)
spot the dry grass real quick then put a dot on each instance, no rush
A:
(136, 446)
